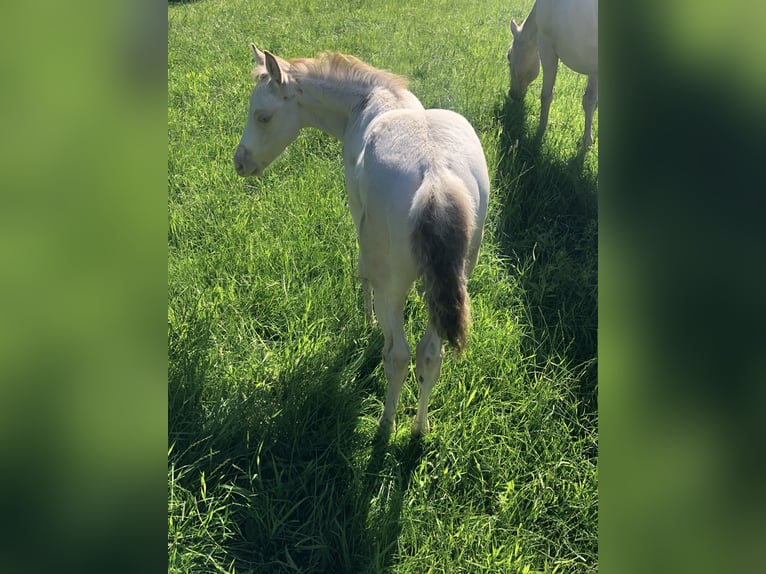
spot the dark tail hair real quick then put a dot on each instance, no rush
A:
(441, 234)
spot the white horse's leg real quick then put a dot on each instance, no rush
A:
(366, 289)
(357, 214)
(550, 63)
(428, 366)
(367, 300)
(589, 103)
(396, 351)
(473, 255)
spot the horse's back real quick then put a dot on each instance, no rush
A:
(572, 28)
(402, 145)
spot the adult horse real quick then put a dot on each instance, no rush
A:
(418, 190)
(556, 29)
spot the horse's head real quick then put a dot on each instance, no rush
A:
(523, 61)
(272, 120)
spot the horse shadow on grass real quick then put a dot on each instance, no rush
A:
(309, 488)
(547, 228)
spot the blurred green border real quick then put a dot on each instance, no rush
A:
(83, 248)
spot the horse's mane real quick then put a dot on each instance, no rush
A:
(342, 67)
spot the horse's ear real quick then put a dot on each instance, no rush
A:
(514, 28)
(258, 56)
(273, 68)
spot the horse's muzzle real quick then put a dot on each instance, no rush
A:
(242, 163)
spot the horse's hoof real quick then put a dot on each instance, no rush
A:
(386, 426)
(420, 430)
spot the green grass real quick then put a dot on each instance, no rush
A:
(275, 380)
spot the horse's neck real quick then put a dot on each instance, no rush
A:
(382, 100)
(332, 108)
(324, 108)
(529, 26)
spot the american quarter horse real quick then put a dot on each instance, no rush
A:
(417, 186)
(556, 29)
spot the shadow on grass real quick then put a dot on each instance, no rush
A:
(289, 460)
(548, 229)
(187, 367)
(386, 481)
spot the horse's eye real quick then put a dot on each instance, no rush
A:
(263, 118)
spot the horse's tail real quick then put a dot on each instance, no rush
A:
(442, 227)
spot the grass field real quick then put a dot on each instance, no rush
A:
(275, 381)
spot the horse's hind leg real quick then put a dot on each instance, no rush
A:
(396, 352)
(589, 103)
(428, 366)
(473, 254)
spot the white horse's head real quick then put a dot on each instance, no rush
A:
(523, 61)
(273, 118)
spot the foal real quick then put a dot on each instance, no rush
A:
(417, 186)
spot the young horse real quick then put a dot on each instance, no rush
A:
(556, 29)
(417, 185)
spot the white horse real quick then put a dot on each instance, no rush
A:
(553, 30)
(418, 190)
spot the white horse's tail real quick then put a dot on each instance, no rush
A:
(441, 234)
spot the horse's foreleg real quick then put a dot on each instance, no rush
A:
(550, 63)
(357, 214)
(428, 366)
(589, 103)
(366, 289)
(396, 351)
